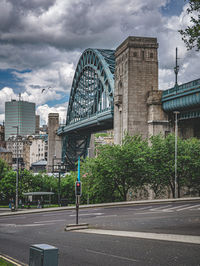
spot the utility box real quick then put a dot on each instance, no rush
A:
(43, 255)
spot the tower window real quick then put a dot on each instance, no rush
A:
(151, 55)
(142, 55)
(135, 54)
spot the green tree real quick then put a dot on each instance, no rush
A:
(193, 165)
(191, 35)
(8, 186)
(3, 168)
(68, 187)
(158, 161)
(117, 169)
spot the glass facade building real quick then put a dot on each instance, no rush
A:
(21, 114)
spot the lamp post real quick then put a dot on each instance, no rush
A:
(175, 163)
(17, 174)
(59, 168)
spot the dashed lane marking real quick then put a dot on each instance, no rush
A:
(88, 214)
(50, 221)
(144, 235)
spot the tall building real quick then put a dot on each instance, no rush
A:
(37, 124)
(2, 136)
(22, 114)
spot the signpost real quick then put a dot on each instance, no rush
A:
(78, 191)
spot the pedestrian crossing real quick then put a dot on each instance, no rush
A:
(169, 208)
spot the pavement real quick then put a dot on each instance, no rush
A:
(113, 204)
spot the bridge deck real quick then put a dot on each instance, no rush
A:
(182, 98)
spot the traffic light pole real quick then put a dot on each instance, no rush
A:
(77, 207)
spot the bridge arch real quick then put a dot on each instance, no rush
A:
(93, 85)
(91, 103)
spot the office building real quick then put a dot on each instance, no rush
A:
(19, 114)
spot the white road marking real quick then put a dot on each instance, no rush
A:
(50, 221)
(29, 225)
(112, 215)
(154, 236)
(56, 214)
(144, 208)
(173, 208)
(23, 225)
(149, 212)
(111, 255)
(8, 218)
(86, 214)
(158, 208)
(190, 207)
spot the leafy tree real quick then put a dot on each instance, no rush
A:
(157, 162)
(97, 184)
(117, 169)
(161, 172)
(8, 186)
(193, 165)
(191, 35)
(68, 187)
(3, 168)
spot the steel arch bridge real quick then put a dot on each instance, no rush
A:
(90, 106)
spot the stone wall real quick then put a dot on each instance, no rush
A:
(54, 141)
(136, 73)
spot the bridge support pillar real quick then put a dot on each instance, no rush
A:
(136, 73)
(157, 119)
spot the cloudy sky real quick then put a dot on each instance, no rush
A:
(41, 42)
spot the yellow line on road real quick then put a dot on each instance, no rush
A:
(10, 260)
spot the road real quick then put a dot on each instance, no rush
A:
(156, 234)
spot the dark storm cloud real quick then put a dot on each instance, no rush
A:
(49, 35)
(31, 5)
(70, 24)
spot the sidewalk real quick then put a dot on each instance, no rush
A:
(101, 205)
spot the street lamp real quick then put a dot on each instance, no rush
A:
(175, 163)
(17, 174)
(59, 168)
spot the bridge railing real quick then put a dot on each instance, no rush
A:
(80, 119)
(97, 117)
(181, 88)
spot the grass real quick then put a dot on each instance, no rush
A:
(5, 263)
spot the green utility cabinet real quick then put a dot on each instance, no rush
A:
(43, 255)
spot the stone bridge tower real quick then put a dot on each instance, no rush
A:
(136, 76)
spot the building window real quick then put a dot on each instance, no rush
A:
(134, 54)
(142, 55)
(151, 55)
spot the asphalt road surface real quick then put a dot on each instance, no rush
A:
(156, 234)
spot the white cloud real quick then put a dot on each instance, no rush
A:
(6, 94)
(48, 36)
(44, 110)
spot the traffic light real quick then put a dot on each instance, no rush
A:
(78, 188)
